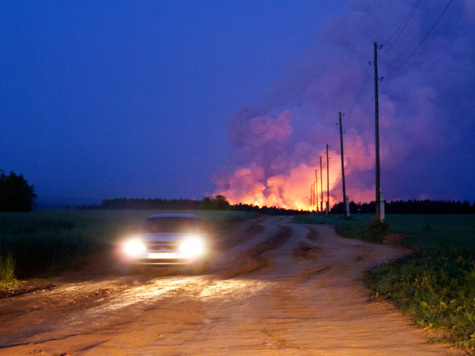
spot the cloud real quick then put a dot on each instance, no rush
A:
(425, 103)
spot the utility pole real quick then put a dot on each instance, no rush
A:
(328, 185)
(345, 200)
(321, 185)
(316, 190)
(312, 186)
(376, 112)
(311, 199)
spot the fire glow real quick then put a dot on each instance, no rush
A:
(288, 191)
(275, 170)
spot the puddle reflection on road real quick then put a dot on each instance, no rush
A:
(186, 287)
(235, 288)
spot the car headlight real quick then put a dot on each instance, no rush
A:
(132, 248)
(192, 247)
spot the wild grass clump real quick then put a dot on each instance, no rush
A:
(436, 288)
(7, 271)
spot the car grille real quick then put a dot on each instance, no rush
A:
(161, 246)
(162, 261)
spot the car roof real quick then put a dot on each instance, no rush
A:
(172, 216)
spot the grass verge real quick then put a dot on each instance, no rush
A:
(7, 271)
(436, 288)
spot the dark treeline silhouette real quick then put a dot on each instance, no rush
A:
(220, 203)
(266, 210)
(410, 207)
(144, 204)
(217, 203)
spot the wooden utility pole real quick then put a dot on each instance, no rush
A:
(316, 190)
(311, 199)
(321, 185)
(328, 185)
(376, 108)
(312, 186)
(347, 213)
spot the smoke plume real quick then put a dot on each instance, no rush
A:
(425, 107)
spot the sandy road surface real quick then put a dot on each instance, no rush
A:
(290, 290)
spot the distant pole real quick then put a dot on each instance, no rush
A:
(313, 194)
(316, 190)
(310, 200)
(343, 169)
(321, 185)
(376, 112)
(312, 188)
(328, 184)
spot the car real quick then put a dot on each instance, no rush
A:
(169, 240)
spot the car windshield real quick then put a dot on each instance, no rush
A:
(171, 224)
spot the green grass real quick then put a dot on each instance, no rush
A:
(435, 231)
(7, 271)
(44, 243)
(436, 288)
(435, 285)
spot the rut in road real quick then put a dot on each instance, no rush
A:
(306, 298)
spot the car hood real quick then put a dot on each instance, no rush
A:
(169, 236)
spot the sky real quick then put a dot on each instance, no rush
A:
(182, 99)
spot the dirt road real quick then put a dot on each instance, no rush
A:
(289, 290)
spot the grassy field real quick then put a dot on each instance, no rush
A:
(44, 243)
(436, 285)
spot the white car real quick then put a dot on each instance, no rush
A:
(168, 240)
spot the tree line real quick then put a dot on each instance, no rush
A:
(220, 203)
(217, 203)
(410, 207)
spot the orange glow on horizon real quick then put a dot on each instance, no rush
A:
(272, 170)
(290, 190)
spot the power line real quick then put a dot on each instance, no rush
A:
(365, 112)
(359, 97)
(360, 91)
(390, 40)
(423, 39)
(400, 29)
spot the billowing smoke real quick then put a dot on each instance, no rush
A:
(425, 104)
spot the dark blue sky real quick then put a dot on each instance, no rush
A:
(106, 99)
